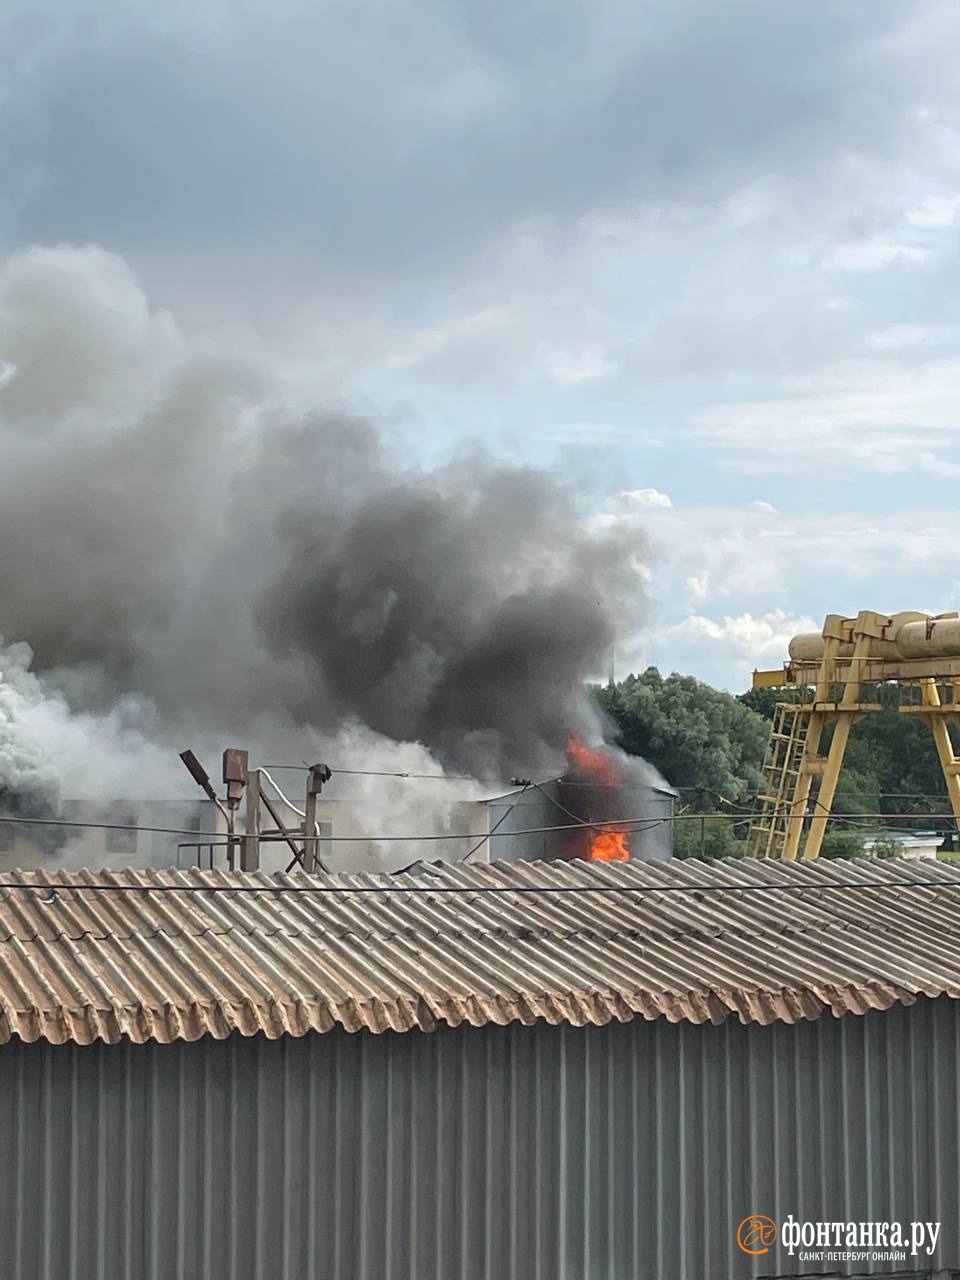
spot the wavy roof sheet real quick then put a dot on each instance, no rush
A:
(167, 955)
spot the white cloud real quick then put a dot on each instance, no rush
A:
(419, 347)
(723, 649)
(646, 497)
(896, 337)
(873, 415)
(588, 364)
(743, 635)
(873, 255)
(938, 211)
(930, 463)
(598, 433)
(697, 584)
(731, 582)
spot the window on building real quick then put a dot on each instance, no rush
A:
(122, 840)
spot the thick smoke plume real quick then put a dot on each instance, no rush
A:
(189, 561)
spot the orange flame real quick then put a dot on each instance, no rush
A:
(609, 844)
(598, 765)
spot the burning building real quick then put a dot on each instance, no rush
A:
(606, 807)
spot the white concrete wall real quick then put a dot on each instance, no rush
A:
(349, 850)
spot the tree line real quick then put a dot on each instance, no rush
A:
(710, 745)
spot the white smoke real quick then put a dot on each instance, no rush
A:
(29, 780)
(47, 749)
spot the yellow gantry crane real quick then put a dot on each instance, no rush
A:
(832, 673)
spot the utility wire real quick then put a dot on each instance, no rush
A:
(58, 887)
(379, 773)
(848, 819)
(183, 831)
(496, 826)
(581, 822)
(619, 786)
(638, 824)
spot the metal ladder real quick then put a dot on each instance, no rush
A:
(781, 773)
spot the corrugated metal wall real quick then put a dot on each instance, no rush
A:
(517, 1153)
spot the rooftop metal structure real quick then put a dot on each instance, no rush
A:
(833, 675)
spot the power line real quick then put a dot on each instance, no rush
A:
(749, 799)
(499, 822)
(581, 822)
(626, 785)
(380, 773)
(182, 831)
(633, 823)
(58, 887)
(16, 820)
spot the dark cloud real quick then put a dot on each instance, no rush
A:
(383, 136)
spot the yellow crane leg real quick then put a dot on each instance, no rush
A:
(846, 714)
(828, 785)
(798, 809)
(941, 736)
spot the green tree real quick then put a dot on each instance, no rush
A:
(704, 741)
(715, 838)
(839, 843)
(711, 745)
(764, 701)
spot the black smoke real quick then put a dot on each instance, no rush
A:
(170, 533)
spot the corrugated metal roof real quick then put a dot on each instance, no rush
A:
(149, 963)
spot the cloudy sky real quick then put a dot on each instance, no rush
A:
(700, 257)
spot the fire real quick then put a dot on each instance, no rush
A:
(597, 765)
(608, 844)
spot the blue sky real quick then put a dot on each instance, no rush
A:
(699, 258)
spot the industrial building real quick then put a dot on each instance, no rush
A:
(517, 1071)
(111, 833)
(190, 833)
(542, 822)
(538, 823)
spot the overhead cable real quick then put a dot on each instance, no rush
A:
(58, 887)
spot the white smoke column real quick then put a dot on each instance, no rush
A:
(425, 802)
(47, 749)
(29, 779)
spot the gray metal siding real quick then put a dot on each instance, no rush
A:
(501, 1153)
(516, 813)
